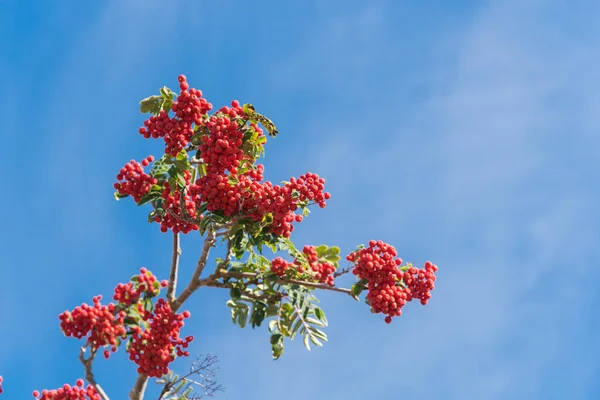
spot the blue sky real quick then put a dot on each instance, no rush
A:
(464, 132)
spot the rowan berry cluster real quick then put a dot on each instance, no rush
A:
(320, 271)
(232, 183)
(171, 219)
(68, 392)
(136, 182)
(389, 287)
(323, 271)
(102, 322)
(221, 147)
(177, 131)
(153, 349)
(129, 293)
(0, 384)
(279, 266)
(105, 324)
(421, 281)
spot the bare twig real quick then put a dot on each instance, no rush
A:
(206, 370)
(89, 375)
(172, 288)
(342, 272)
(194, 284)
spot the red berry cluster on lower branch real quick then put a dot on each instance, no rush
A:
(155, 348)
(98, 320)
(389, 287)
(68, 392)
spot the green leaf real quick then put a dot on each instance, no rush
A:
(149, 197)
(150, 104)
(315, 322)
(306, 342)
(277, 348)
(235, 293)
(321, 250)
(314, 340)
(358, 287)
(119, 196)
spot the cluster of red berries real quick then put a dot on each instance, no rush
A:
(129, 293)
(0, 384)
(279, 266)
(136, 182)
(224, 187)
(421, 281)
(378, 265)
(155, 348)
(221, 148)
(310, 187)
(68, 392)
(177, 132)
(321, 271)
(172, 204)
(103, 323)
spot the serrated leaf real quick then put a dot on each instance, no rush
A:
(315, 322)
(321, 250)
(320, 315)
(149, 197)
(306, 342)
(315, 340)
(319, 334)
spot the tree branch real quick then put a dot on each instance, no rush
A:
(195, 281)
(138, 390)
(89, 375)
(212, 281)
(172, 288)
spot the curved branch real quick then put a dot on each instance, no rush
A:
(89, 375)
(195, 281)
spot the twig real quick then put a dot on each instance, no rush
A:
(205, 370)
(342, 272)
(195, 281)
(89, 375)
(172, 288)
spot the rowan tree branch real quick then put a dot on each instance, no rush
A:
(212, 281)
(89, 375)
(172, 288)
(194, 284)
(138, 390)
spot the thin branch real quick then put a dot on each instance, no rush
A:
(342, 272)
(172, 288)
(212, 281)
(205, 370)
(89, 375)
(138, 390)
(195, 281)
